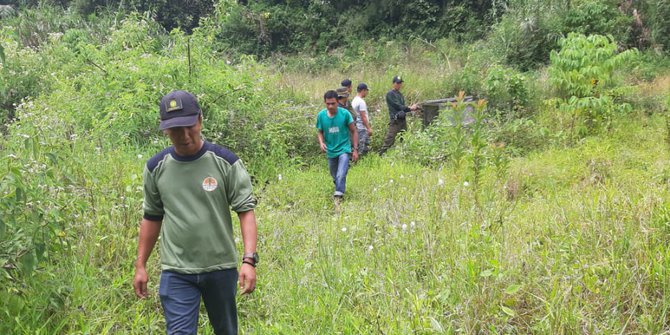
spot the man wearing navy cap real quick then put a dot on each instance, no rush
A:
(189, 190)
(397, 113)
(360, 108)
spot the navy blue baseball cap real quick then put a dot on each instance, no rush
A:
(179, 109)
(346, 83)
(397, 79)
(362, 86)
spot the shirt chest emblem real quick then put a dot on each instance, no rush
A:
(209, 184)
(333, 130)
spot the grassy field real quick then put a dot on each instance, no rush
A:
(570, 240)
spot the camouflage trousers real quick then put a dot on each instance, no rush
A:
(363, 142)
(395, 127)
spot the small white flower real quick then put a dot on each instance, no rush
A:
(412, 224)
(370, 247)
(344, 229)
(391, 181)
(404, 226)
(440, 182)
(402, 176)
(466, 184)
(279, 177)
(139, 156)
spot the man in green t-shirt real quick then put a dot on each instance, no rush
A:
(336, 131)
(189, 191)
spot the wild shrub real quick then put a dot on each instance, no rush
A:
(507, 90)
(459, 137)
(583, 75)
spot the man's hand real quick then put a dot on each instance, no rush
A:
(323, 146)
(414, 107)
(247, 278)
(369, 131)
(355, 155)
(140, 282)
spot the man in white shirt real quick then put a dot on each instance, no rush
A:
(362, 121)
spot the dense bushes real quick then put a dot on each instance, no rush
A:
(583, 74)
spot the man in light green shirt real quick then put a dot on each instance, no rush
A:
(189, 191)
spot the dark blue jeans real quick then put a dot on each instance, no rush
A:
(180, 296)
(338, 170)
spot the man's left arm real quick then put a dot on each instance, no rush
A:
(249, 228)
(242, 201)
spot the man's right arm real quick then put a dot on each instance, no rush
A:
(149, 231)
(322, 143)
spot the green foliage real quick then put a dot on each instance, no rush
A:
(266, 27)
(582, 73)
(524, 39)
(598, 17)
(657, 14)
(173, 14)
(507, 90)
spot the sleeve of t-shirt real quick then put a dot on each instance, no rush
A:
(363, 106)
(239, 190)
(318, 122)
(152, 205)
(349, 119)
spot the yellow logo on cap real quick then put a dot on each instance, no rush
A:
(173, 105)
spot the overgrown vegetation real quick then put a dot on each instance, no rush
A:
(540, 207)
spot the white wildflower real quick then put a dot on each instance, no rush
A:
(440, 182)
(344, 229)
(139, 156)
(404, 226)
(279, 177)
(466, 184)
(370, 247)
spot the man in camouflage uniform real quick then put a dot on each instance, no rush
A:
(343, 101)
(397, 113)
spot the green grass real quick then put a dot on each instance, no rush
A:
(577, 245)
(579, 250)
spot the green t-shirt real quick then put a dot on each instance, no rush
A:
(193, 197)
(335, 131)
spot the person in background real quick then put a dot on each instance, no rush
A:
(343, 101)
(348, 84)
(189, 191)
(362, 121)
(336, 132)
(397, 113)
